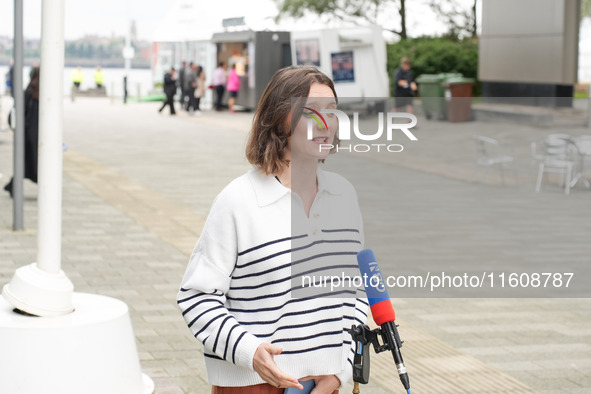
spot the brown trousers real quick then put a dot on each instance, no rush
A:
(257, 389)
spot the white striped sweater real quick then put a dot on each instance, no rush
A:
(240, 284)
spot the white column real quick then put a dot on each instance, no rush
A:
(51, 136)
(42, 288)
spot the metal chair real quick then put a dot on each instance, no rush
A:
(583, 145)
(491, 152)
(537, 151)
(557, 154)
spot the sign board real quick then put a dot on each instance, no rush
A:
(343, 69)
(231, 22)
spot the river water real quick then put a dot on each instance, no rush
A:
(139, 80)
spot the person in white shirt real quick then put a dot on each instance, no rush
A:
(219, 82)
(243, 293)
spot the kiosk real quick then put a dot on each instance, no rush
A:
(257, 55)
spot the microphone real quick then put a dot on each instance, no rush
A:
(382, 310)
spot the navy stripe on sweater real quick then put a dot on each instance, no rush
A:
(350, 230)
(274, 308)
(311, 349)
(298, 249)
(317, 335)
(217, 337)
(298, 313)
(271, 243)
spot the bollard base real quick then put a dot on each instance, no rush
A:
(91, 350)
(37, 292)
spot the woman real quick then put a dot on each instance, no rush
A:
(236, 295)
(233, 87)
(31, 129)
(199, 90)
(219, 83)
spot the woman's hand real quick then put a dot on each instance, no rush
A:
(325, 384)
(264, 364)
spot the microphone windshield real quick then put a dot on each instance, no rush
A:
(375, 288)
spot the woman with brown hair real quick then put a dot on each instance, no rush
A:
(238, 293)
(31, 129)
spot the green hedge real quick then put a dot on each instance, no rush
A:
(433, 55)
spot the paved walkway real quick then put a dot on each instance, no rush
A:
(138, 186)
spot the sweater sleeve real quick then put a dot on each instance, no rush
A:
(202, 298)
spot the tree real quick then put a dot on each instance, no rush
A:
(461, 22)
(585, 8)
(356, 11)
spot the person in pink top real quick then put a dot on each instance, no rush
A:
(233, 87)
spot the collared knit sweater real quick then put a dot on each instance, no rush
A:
(238, 290)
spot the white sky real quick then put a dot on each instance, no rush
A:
(105, 17)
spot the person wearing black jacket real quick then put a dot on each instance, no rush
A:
(31, 129)
(181, 84)
(11, 77)
(169, 90)
(405, 87)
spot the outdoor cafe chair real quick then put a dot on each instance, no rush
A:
(583, 145)
(557, 154)
(490, 152)
(537, 152)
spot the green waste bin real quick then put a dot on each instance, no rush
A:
(432, 91)
(458, 98)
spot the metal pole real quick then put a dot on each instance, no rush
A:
(127, 58)
(128, 53)
(19, 132)
(50, 136)
(589, 106)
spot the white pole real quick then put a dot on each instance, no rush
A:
(50, 136)
(42, 288)
(127, 56)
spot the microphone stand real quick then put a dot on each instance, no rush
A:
(363, 336)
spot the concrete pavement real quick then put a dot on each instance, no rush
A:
(138, 186)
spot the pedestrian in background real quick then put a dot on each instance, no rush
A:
(77, 77)
(181, 82)
(125, 89)
(200, 89)
(236, 294)
(219, 82)
(189, 83)
(31, 129)
(405, 87)
(11, 77)
(169, 90)
(233, 87)
(99, 77)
